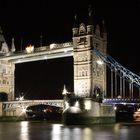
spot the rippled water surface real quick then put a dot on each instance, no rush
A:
(45, 131)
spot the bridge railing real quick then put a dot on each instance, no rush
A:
(121, 101)
(13, 105)
(38, 49)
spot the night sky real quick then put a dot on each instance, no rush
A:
(27, 20)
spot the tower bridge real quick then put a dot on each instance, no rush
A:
(89, 51)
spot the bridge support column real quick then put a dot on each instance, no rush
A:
(86, 111)
(7, 78)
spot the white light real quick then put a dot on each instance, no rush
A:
(21, 98)
(100, 62)
(87, 104)
(115, 108)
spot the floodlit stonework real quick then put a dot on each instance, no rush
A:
(89, 75)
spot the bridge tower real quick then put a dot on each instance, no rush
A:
(7, 70)
(89, 71)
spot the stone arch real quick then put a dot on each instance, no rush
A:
(97, 93)
(3, 96)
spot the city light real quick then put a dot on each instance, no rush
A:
(100, 62)
(115, 108)
(88, 104)
(30, 49)
(21, 98)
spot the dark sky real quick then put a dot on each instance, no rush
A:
(27, 20)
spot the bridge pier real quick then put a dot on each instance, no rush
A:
(0, 108)
(87, 111)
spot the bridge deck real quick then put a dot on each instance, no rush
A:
(13, 105)
(38, 54)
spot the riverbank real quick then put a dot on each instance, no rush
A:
(18, 119)
(11, 118)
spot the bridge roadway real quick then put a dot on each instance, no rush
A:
(41, 53)
(124, 101)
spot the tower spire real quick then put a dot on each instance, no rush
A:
(75, 21)
(104, 32)
(89, 10)
(90, 20)
(103, 23)
(13, 49)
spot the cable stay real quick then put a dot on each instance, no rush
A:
(117, 67)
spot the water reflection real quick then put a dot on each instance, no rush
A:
(24, 130)
(56, 132)
(87, 133)
(46, 131)
(76, 134)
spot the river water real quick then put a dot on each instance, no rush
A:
(26, 130)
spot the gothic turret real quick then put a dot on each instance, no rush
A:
(75, 26)
(90, 21)
(2, 39)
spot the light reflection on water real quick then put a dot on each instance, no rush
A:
(56, 132)
(24, 130)
(45, 131)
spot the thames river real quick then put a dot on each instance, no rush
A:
(26, 130)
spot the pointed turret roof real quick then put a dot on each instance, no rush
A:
(13, 49)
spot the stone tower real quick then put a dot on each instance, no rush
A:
(89, 72)
(7, 70)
